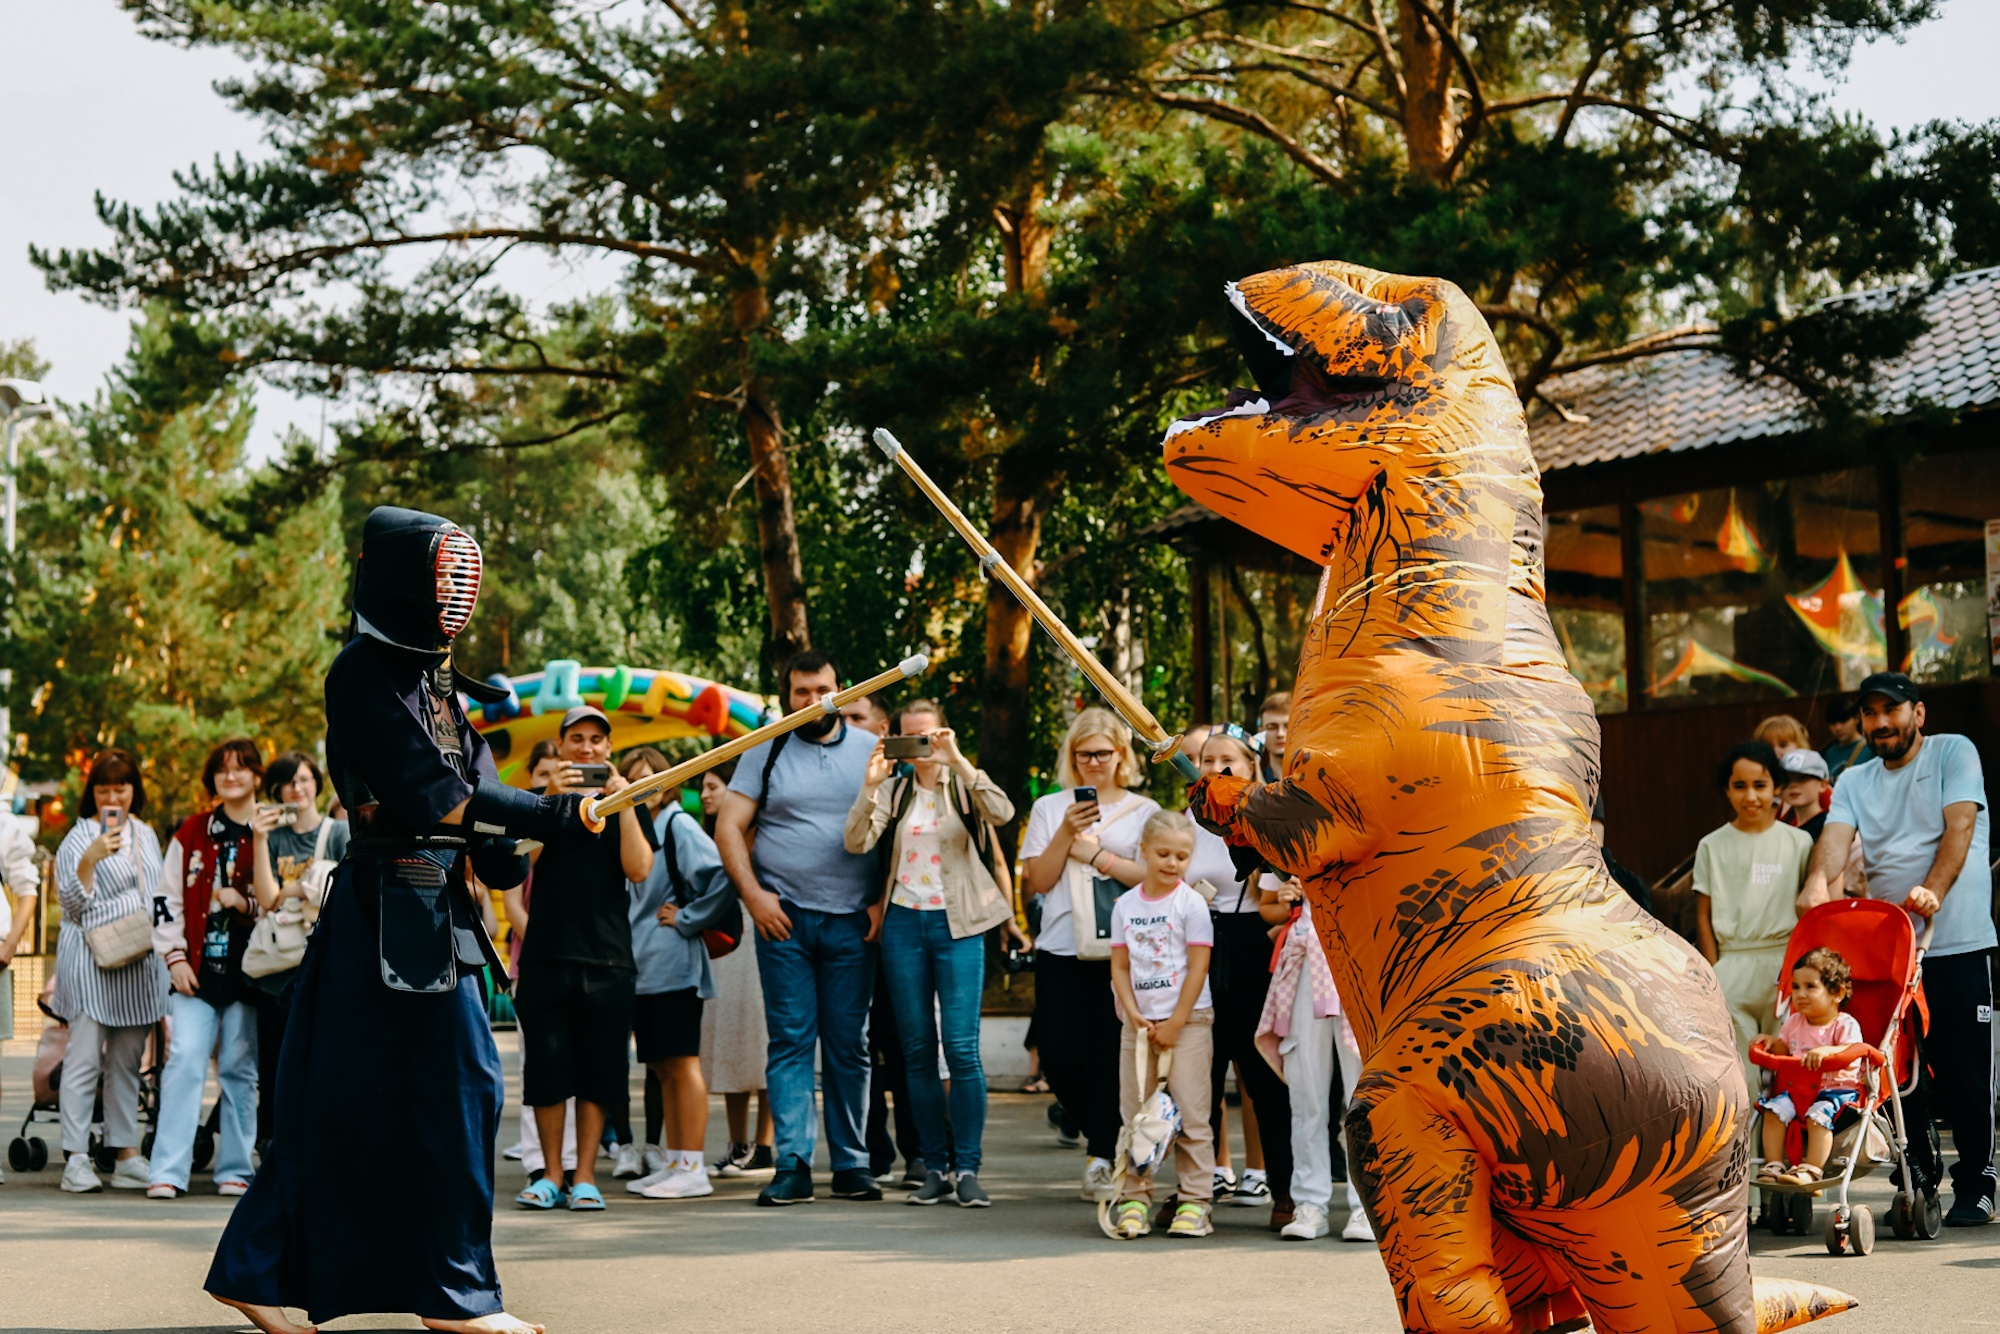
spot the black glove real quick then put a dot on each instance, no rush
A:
(508, 812)
(498, 863)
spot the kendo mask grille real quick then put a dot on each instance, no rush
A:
(458, 568)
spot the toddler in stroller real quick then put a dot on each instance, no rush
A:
(1842, 1064)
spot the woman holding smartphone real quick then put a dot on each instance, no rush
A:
(216, 865)
(107, 871)
(943, 899)
(302, 851)
(1086, 832)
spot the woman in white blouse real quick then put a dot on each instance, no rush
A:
(1082, 848)
(107, 871)
(943, 899)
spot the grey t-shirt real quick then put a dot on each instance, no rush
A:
(292, 852)
(1899, 814)
(798, 853)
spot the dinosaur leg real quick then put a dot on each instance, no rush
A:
(1429, 1195)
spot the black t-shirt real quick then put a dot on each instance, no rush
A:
(581, 908)
(228, 932)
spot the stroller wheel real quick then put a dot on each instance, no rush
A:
(1835, 1234)
(204, 1147)
(146, 1144)
(1928, 1214)
(38, 1154)
(1861, 1230)
(19, 1155)
(1900, 1221)
(103, 1155)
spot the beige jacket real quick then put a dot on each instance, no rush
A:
(973, 899)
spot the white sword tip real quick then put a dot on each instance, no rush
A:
(888, 444)
(914, 665)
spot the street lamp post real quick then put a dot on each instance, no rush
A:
(20, 401)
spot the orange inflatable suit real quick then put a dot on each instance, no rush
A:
(1549, 1129)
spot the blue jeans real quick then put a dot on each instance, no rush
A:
(817, 986)
(921, 960)
(231, 1034)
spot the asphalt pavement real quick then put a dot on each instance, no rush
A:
(1033, 1262)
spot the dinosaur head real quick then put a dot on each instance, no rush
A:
(1384, 441)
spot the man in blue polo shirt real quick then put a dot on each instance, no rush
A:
(1920, 808)
(817, 909)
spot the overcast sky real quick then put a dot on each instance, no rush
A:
(88, 105)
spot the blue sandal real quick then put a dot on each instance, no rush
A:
(543, 1194)
(584, 1197)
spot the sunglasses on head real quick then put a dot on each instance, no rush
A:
(1252, 741)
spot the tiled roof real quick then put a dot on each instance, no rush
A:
(1695, 400)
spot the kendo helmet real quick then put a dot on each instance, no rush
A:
(417, 579)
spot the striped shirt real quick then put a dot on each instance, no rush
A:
(122, 884)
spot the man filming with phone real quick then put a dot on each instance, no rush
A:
(575, 995)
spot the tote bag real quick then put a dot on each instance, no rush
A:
(278, 940)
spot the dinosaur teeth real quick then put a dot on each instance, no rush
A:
(1256, 407)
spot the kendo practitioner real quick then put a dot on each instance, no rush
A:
(387, 1057)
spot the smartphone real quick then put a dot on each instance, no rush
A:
(288, 814)
(1084, 794)
(592, 775)
(112, 818)
(907, 747)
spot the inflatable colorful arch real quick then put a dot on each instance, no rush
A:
(645, 705)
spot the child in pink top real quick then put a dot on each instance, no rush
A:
(1816, 1030)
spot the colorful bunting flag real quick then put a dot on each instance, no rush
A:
(1700, 660)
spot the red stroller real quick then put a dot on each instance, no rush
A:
(1882, 949)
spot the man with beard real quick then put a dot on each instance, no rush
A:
(1920, 809)
(818, 909)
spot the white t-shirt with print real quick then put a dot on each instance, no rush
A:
(919, 879)
(1155, 935)
(1117, 830)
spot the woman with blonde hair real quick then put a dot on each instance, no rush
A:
(1080, 852)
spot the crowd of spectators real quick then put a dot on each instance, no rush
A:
(809, 934)
(1885, 811)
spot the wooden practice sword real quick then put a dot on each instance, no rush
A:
(598, 809)
(1163, 745)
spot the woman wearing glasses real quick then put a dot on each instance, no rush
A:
(1081, 851)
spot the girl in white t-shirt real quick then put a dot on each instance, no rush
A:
(1161, 940)
(1084, 833)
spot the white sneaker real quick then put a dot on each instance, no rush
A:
(687, 1184)
(650, 1179)
(513, 1153)
(1308, 1224)
(626, 1164)
(1098, 1179)
(653, 1160)
(77, 1178)
(1357, 1228)
(133, 1173)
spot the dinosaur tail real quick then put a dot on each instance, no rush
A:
(1784, 1303)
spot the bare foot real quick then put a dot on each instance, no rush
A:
(270, 1319)
(486, 1324)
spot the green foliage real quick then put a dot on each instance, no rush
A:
(135, 625)
(1002, 230)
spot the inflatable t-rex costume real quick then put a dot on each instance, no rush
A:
(1550, 1124)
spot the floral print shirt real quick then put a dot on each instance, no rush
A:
(919, 880)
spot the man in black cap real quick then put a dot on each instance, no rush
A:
(576, 994)
(1920, 809)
